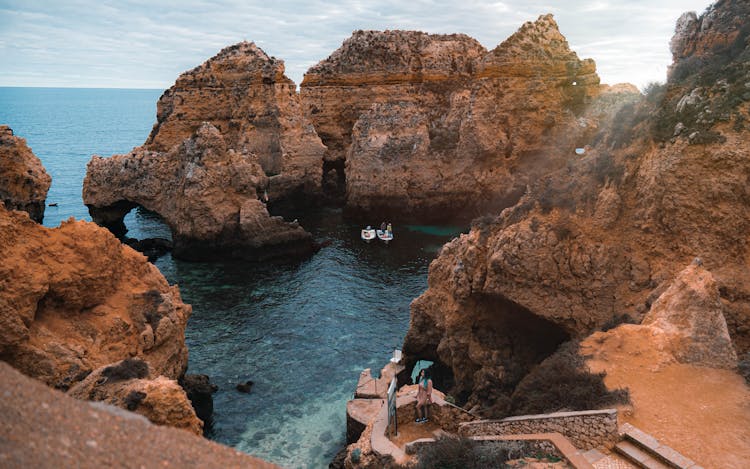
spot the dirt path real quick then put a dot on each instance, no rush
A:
(703, 413)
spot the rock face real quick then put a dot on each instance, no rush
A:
(690, 314)
(73, 299)
(23, 181)
(600, 240)
(159, 399)
(206, 191)
(45, 428)
(244, 93)
(436, 126)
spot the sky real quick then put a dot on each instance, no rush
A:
(148, 43)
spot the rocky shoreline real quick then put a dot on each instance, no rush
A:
(588, 202)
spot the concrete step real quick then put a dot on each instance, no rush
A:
(593, 455)
(650, 445)
(640, 456)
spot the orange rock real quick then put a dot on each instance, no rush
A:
(601, 239)
(73, 298)
(207, 192)
(159, 399)
(437, 127)
(244, 93)
(23, 181)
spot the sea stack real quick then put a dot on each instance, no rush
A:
(209, 194)
(436, 127)
(23, 180)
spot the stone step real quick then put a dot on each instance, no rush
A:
(640, 456)
(656, 450)
(593, 455)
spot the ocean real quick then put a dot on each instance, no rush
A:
(302, 332)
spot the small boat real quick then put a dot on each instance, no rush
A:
(385, 236)
(368, 234)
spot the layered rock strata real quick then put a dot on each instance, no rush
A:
(600, 240)
(23, 181)
(45, 428)
(206, 191)
(436, 126)
(244, 93)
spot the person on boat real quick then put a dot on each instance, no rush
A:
(383, 227)
(389, 229)
(424, 396)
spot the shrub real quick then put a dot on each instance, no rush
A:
(615, 321)
(129, 368)
(562, 382)
(133, 399)
(450, 452)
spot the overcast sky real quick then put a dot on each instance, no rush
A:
(148, 43)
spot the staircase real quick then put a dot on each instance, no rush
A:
(645, 451)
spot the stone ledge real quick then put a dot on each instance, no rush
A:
(610, 412)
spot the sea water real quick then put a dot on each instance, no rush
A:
(302, 332)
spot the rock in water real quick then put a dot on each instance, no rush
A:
(23, 181)
(436, 126)
(207, 192)
(245, 387)
(244, 93)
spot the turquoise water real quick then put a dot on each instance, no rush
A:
(301, 332)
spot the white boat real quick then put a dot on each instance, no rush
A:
(385, 236)
(368, 234)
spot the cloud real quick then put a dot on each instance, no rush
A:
(148, 43)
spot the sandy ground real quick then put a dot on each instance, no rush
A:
(703, 413)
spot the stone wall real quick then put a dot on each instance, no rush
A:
(586, 430)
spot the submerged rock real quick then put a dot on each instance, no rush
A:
(23, 181)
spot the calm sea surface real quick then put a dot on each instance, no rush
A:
(301, 332)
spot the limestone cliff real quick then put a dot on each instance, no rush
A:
(23, 181)
(600, 240)
(244, 93)
(205, 190)
(73, 299)
(437, 127)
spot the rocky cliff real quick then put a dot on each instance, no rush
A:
(244, 93)
(435, 126)
(206, 191)
(74, 299)
(599, 240)
(23, 181)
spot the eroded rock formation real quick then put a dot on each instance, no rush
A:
(23, 181)
(73, 299)
(244, 93)
(158, 398)
(436, 126)
(600, 240)
(206, 191)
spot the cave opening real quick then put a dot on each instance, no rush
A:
(334, 181)
(142, 229)
(488, 356)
